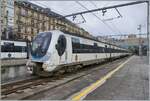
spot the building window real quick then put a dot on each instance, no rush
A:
(32, 31)
(23, 12)
(38, 30)
(26, 37)
(10, 2)
(43, 27)
(25, 29)
(19, 28)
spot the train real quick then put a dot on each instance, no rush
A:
(56, 50)
(13, 49)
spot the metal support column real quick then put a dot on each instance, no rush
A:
(148, 35)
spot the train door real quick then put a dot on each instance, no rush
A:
(110, 50)
(69, 50)
(61, 49)
(106, 52)
(95, 50)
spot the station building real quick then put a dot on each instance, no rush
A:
(7, 16)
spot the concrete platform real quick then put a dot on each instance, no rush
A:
(129, 83)
(11, 74)
(12, 69)
(13, 62)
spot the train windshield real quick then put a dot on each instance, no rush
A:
(40, 44)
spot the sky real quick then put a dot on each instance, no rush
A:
(132, 16)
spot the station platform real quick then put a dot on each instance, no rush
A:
(13, 62)
(131, 82)
(122, 79)
(12, 69)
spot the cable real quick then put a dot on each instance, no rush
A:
(93, 3)
(116, 28)
(111, 22)
(95, 16)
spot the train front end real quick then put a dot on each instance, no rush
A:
(40, 54)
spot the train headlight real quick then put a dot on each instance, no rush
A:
(45, 66)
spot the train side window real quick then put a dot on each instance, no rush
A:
(113, 49)
(95, 48)
(95, 45)
(105, 49)
(23, 49)
(8, 47)
(76, 44)
(3, 48)
(75, 40)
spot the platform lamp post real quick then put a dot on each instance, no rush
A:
(140, 46)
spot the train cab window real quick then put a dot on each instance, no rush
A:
(40, 44)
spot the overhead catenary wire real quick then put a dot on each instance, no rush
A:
(96, 16)
(116, 28)
(111, 22)
(92, 13)
(104, 8)
(93, 4)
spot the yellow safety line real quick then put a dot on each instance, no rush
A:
(92, 87)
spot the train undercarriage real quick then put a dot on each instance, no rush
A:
(35, 68)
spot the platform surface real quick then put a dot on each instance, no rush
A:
(129, 83)
(13, 62)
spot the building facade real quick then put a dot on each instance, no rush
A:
(29, 19)
(137, 44)
(7, 17)
(23, 20)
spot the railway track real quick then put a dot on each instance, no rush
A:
(11, 88)
(27, 88)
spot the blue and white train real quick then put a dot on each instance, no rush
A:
(55, 50)
(13, 49)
